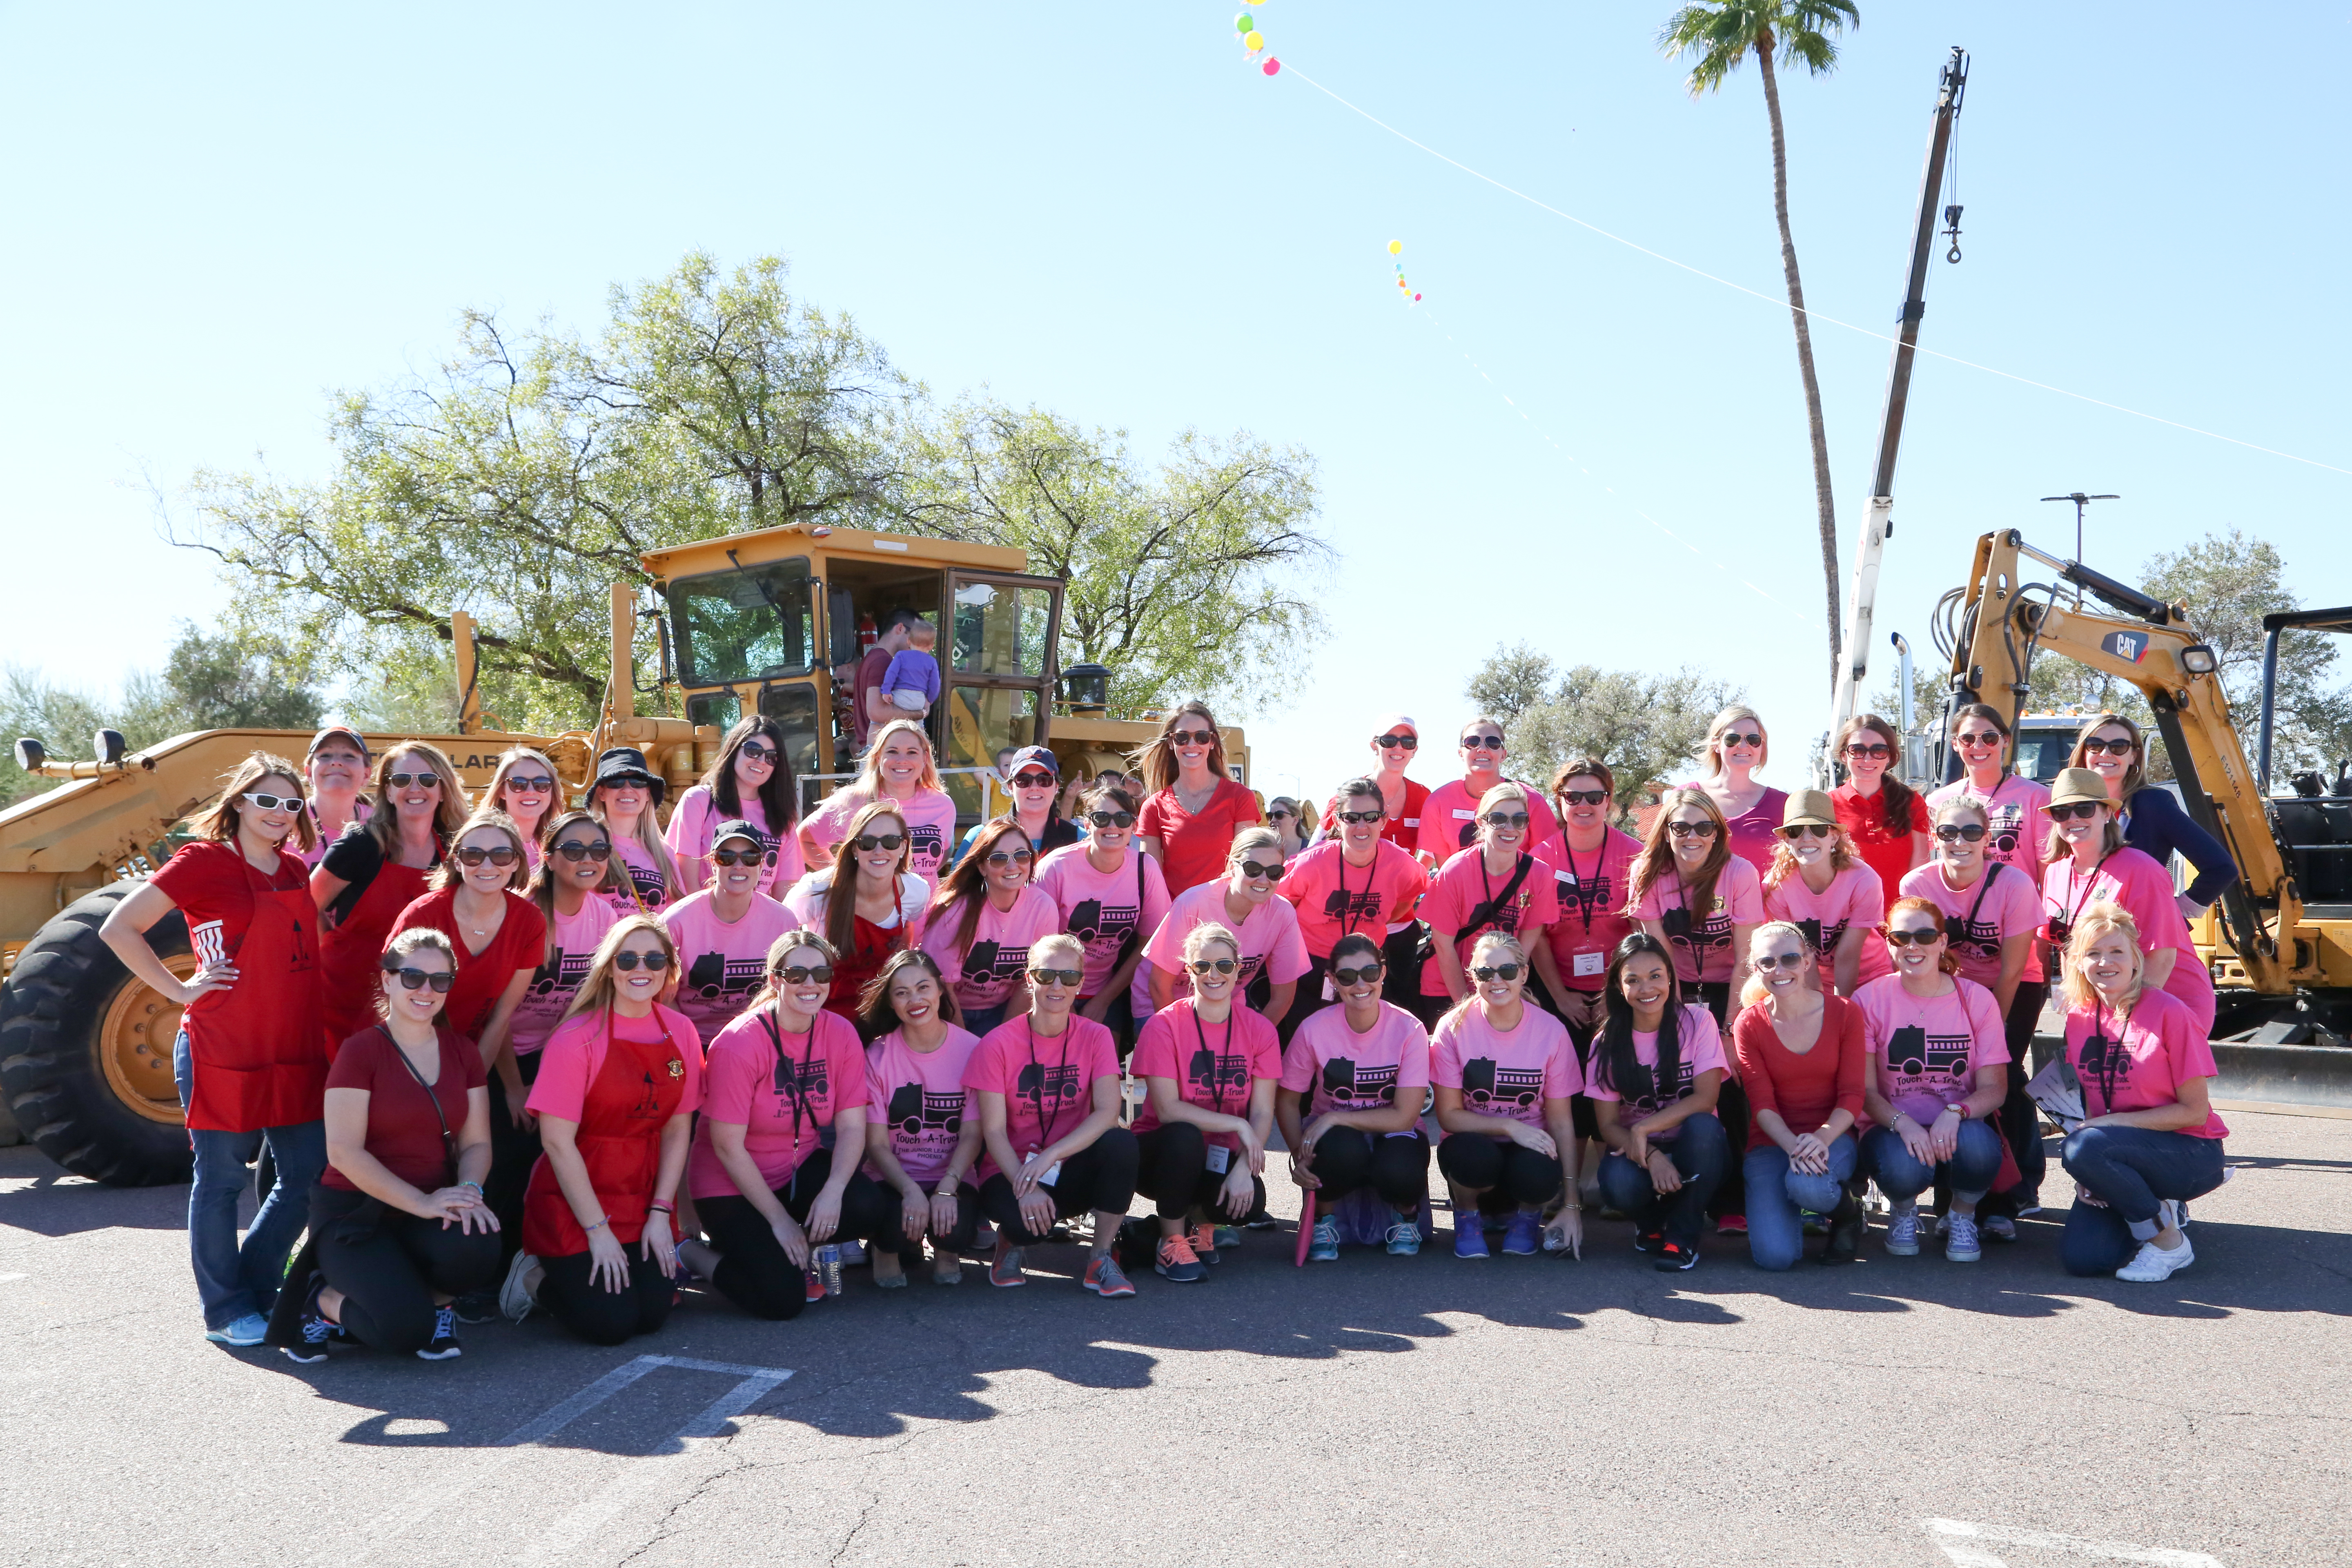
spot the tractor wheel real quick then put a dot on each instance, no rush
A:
(86, 1049)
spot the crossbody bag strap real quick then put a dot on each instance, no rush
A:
(448, 1139)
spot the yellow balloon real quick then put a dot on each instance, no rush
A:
(1252, 40)
(1396, 248)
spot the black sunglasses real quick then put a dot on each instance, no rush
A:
(1685, 829)
(873, 841)
(1859, 751)
(571, 849)
(1976, 739)
(756, 751)
(2085, 809)
(1907, 938)
(1252, 869)
(654, 962)
(1951, 831)
(1734, 738)
(1584, 798)
(1390, 743)
(1797, 830)
(1361, 816)
(1193, 737)
(797, 975)
(1505, 819)
(1034, 781)
(1495, 971)
(1364, 977)
(739, 856)
(2108, 748)
(1482, 742)
(1112, 819)
(414, 979)
(530, 786)
(1057, 976)
(504, 854)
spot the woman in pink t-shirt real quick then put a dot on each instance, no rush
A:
(1355, 1078)
(625, 797)
(1504, 1073)
(1356, 882)
(1691, 892)
(883, 913)
(724, 931)
(1818, 884)
(1658, 1068)
(1274, 954)
(983, 921)
(2150, 1140)
(1112, 896)
(2089, 863)
(1938, 1068)
(1191, 810)
(765, 1185)
(2016, 807)
(751, 782)
(899, 771)
(1736, 745)
(1588, 861)
(1494, 885)
(921, 1137)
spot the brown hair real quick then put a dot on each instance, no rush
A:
(840, 913)
(1657, 856)
(2134, 775)
(967, 883)
(1951, 962)
(1157, 760)
(220, 820)
(1583, 768)
(540, 889)
(449, 875)
(2058, 849)
(402, 944)
(494, 793)
(875, 1015)
(448, 812)
(778, 797)
(1784, 856)
(1894, 796)
(784, 944)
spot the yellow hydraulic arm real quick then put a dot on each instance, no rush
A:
(2004, 621)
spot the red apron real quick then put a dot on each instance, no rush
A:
(631, 1098)
(870, 948)
(254, 1051)
(353, 955)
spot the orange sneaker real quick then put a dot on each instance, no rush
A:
(1176, 1261)
(1203, 1239)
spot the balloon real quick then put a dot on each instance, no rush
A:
(1396, 248)
(1271, 65)
(1245, 23)
(1417, 299)
(1252, 40)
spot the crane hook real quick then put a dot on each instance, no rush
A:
(1952, 231)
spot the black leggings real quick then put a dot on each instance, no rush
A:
(388, 1265)
(754, 1271)
(604, 1317)
(893, 1216)
(513, 1152)
(1503, 1174)
(2018, 1119)
(1174, 1174)
(1395, 1166)
(1100, 1177)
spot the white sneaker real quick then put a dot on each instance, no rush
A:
(1902, 1230)
(2153, 1264)
(514, 1297)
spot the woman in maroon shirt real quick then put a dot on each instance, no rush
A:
(1194, 810)
(499, 935)
(1736, 745)
(398, 1226)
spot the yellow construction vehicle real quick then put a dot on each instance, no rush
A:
(2278, 941)
(767, 622)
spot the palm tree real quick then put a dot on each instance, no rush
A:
(1723, 32)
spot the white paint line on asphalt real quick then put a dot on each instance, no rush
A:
(5, 1278)
(1954, 1536)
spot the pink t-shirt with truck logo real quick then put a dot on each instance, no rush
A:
(1926, 1050)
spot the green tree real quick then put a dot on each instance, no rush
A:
(2228, 582)
(1723, 33)
(1647, 728)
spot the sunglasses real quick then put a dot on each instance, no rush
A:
(1394, 742)
(739, 856)
(1976, 740)
(422, 781)
(1507, 819)
(1034, 781)
(1252, 870)
(1359, 817)
(1583, 797)
(1279, 815)
(799, 975)
(1952, 831)
(1364, 977)
(1222, 965)
(273, 802)
(530, 786)
(1482, 742)
(1193, 737)
(653, 963)
(1685, 829)
(1111, 818)
(1486, 971)
(571, 849)
(1734, 738)
(1875, 751)
(751, 751)
(2108, 748)
(1797, 830)
(504, 854)
(873, 841)
(417, 979)
(1914, 937)
(2085, 809)
(1781, 961)
(1011, 856)
(1069, 977)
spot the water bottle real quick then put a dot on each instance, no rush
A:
(828, 1268)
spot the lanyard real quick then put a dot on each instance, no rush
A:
(800, 1082)
(1045, 1123)
(1494, 915)
(1371, 875)
(2109, 1053)
(1587, 899)
(1216, 1070)
(2088, 883)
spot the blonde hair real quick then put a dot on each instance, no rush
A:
(494, 793)
(1258, 836)
(1209, 934)
(402, 943)
(1809, 972)
(868, 785)
(220, 820)
(2100, 920)
(448, 874)
(1506, 791)
(1044, 947)
(448, 811)
(1725, 720)
(648, 836)
(1489, 941)
(598, 988)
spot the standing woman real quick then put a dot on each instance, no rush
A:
(1033, 775)
(1801, 1056)
(1273, 953)
(617, 1087)
(1992, 913)
(2016, 807)
(1503, 1073)
(1356, 882)
(526, 787)
(2152, 821)
(1940, 1067)
(250, 1059)
(898, 773)
(922, 1136)
(1290, 822)
(1689, 891)
(2089, 863)
(1192, 809)
(1588, 861)
(1047, 1087)
(2151, 1142)
(766, 1184)
(399, 1225)
(377, 868)
(1736, 746)
(884, 911)
(1393, 746)
(982, 923)
(335, 768)
(751, 782)
(724, 931)
(1817, 883)
(624, 796)
(1657, 1067)
(1885, 817)
(1494, 885)
(1111, 896)
(496, 934)
(1449, 818)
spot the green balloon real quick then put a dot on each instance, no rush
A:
(1245, 23)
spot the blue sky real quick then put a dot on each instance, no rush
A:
(218, 217)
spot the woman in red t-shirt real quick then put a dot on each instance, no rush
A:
(497, 933)
(1192, 809)
(1395, 744)
(1801, 1054)
(1884, 816)
(399, 1221)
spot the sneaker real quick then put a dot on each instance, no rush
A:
(514, 1296)
(1202, 1240)
(1674, 1258)
(478, 1306)
(984, 1238)
(1259, 1220)
(1731, 1225)
(1815, 1224)
(318, 1334)
(2028, 1207)
(1649, 1240)
(1404, 1238)
(1902, 1230)
(1998, 1226)
(1845, 1245)
(1177, 1261)
(244, 1334)
(1469, 1239)
(443, 1345)
(1228, 1235)
(1106, 1279)
(1523, 1236)
(1325, 1245)
(1960, 1244)
(853, 1252)
(812, 1288)
(2153, 1264)
(1004, 1269)
(1943, 1224)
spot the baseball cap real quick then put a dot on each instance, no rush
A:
(737, 829)
(338, 732)
(1028, 756)
(1391, 721)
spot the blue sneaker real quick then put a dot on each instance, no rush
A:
(1325, 1247)
(1469, 1236)
(244, 1334)
(1523, 1236)
(1404, 1238)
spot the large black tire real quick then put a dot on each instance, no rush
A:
(53, 1010)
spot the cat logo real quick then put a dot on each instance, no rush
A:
(2131, 645)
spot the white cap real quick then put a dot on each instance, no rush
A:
(1393, 720)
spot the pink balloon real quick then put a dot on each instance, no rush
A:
(1417, 299)
(1271, 65)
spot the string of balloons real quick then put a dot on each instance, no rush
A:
(1254, 44)
(1396, 248)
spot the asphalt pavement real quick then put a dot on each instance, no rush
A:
(1899, 1412)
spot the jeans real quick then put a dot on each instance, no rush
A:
(980, 1020)
(1699, 1151)
(1777, 1194)
(233, 1281)
(1975, 1162)
(2130, 1169)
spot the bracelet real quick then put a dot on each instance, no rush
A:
(602, 1221)
(476, 1185)
(657, 1206)
(1571, 1208)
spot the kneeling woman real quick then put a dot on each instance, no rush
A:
(1360, 1071)
(1506, 1075)
(2152, 1141)
(921, 1137)
(399, 1221)
(1657, 1067)
(1209, 1066)
(1047, 1087)
(618, 1082)
(1801, 1057)
(765, 1186)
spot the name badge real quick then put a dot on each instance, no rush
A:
(1591, 964)
(1050, 1174)
(1413, 821)
(1219, 1158)
(1567, 879)
(1462, 816)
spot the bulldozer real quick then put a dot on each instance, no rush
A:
(2278, 941)
(771, 622)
